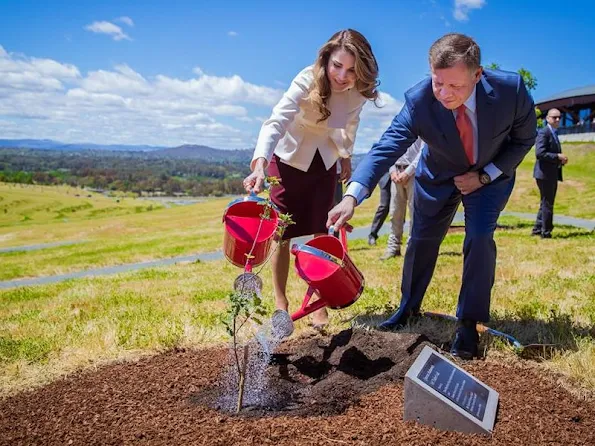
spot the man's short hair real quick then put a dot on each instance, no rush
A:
(453, 48)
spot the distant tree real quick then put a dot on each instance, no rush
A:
(528, 78)
(530, 82)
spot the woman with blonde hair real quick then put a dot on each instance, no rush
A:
(313, 125)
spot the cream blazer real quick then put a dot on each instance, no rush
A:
(293, 134)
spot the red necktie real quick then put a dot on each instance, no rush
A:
(465, 132)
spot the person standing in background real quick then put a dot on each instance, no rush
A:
(547, 172)
(383, 208)
(401, 193)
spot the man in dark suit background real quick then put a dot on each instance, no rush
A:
(547, 172)
(478, 125)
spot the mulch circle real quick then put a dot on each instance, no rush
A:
(338, 389)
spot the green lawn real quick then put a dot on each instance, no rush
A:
(135, 231)
(544, 291)
(576, 194)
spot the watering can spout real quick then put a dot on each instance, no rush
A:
(282, 324)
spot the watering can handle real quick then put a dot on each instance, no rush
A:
(265, 185)
(308, 307)
(343, 234)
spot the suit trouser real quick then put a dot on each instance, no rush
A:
(544, 223)
(382, 211)
(401, 198)
(482, 209)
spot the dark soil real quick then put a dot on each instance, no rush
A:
(341, 389)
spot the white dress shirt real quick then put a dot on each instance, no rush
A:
(410, 158)
(359, 192)
(293, 133)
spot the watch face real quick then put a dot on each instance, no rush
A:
(484, 178)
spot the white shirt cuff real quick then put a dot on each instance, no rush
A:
(357, 191)
(492, 171)
(410, 170)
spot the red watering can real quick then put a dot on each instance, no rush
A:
(248, 232)
(325, 266)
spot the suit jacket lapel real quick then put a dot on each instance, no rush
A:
(485, 121)
(446, 122)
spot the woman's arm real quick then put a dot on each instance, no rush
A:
(274, 128)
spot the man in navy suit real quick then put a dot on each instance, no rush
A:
(547, 172)
(478, 125)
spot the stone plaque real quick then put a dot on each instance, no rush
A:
(439, 393)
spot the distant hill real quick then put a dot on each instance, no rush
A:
(49, 144)
(189, 151)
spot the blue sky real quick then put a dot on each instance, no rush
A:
(209, 72)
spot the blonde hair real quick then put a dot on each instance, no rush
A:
(366, 69)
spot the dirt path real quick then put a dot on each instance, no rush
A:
(216, 255)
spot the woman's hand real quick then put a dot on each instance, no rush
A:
(345, 169)
(255, 181)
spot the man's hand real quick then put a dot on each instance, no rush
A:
(402, 177)
(468, 182)
(341, 213)
(345, 169)
(394, 176)
(563, 158)
(255, 181)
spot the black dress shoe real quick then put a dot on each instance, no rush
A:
(397, 323)
(466, 339)
(536, 233)
(546, 235)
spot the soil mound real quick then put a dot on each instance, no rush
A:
(341, 389)
(322, 375)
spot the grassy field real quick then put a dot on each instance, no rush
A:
(544, 292)
(122, 235)
(134, 230)
(576, 194)
(24, 206)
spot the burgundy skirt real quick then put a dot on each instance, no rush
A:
(307, 196)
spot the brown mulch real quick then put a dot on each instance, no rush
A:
(321, 390)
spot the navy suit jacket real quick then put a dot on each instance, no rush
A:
(547, 166)
(506, 132)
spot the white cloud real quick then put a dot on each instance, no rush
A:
(245, 119)
(126, 20)
(123, 80)
(462, 8)
(375, 120)
(211, 88)
(108, 28)
(230, 110)
(44, 98)
(232, 34)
